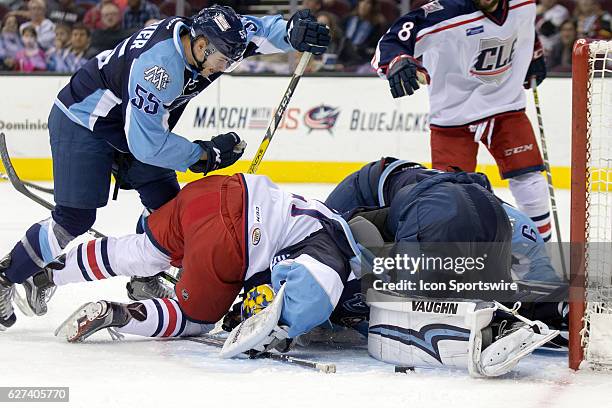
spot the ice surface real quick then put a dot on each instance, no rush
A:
(141, 372)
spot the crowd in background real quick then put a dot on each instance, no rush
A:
(61, 35)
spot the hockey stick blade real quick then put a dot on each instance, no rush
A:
(14, 178)
(31, 185)
(313, 365)
(20, 186)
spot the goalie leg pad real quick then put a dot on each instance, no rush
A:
(426, 333)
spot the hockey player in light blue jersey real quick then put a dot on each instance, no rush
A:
(117, 113)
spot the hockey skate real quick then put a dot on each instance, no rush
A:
(93, 317)
(7, 290)
(148, 287)
(38, 291)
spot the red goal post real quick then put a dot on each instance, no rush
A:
(590, 319)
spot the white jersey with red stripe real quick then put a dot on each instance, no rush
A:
(477, 61)
(277, 219)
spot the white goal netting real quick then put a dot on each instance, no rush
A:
(597, 329)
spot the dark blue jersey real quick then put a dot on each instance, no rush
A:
(133, 95)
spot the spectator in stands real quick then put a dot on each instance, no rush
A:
(340, 54)
(592, 21)
(55, 54)
(71, 58)
(31, 58)
(93, 18)
(138, 12)
(111, 34)
(560, 58)
(549, 17)
(79, 43)
(64, 11)
(10, 42)
(364, 27)
(45, 29)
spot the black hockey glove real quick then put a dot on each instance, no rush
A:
(305, 34)
(222, 151)
(403, 75)
(537, 68)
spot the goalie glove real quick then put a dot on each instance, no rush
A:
(306, 34)
(260, 332)
(404, 75)
(221, 151)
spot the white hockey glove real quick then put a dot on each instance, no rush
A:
(259, 332)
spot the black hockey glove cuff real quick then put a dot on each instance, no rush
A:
(222, 151)
(305, 34)
(404, 74)
(537, 68)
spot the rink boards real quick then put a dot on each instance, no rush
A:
(332, 126)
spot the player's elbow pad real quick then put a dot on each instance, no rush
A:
(307, 303)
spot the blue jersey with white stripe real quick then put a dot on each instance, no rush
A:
(133, 95)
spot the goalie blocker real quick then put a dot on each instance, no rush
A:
(428, 333)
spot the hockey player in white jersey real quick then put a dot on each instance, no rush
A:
(476, 56)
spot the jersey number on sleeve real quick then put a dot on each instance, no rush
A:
(404, 33)
(142, 95)
(529, 233)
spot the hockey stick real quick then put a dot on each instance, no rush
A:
(280, 110)
(31, 185)
(551, 189)
(218, 342)
(21, 187)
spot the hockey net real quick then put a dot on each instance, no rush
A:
(591, 206)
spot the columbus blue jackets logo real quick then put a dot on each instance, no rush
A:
(322, 117)
(494, 60)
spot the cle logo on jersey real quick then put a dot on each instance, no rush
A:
(494, 60)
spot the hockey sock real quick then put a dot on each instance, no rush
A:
(161, 318)
(131, 255)
(530, 191)
(42, 242)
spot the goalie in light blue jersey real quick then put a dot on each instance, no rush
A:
(116, 116)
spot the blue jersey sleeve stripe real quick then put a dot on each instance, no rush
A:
(67, 112)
